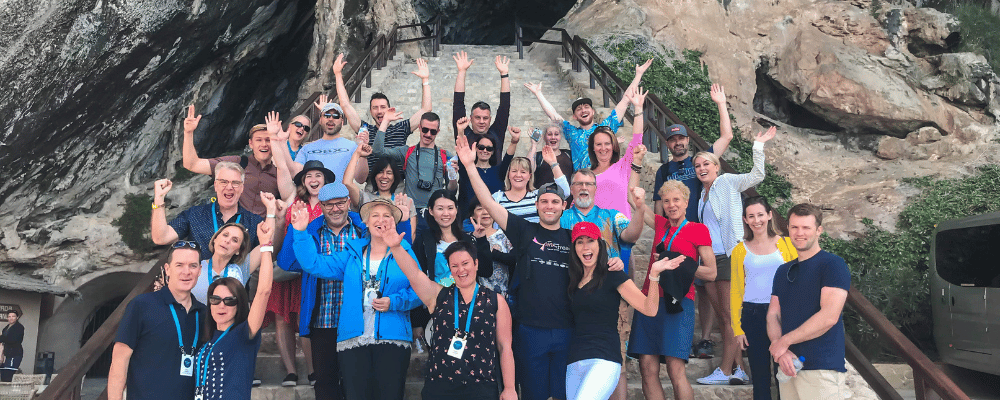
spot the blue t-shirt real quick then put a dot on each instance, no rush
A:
(578, 138)
(148, 329)
(334, 153)
(800, 300)
(228, 371)
(681, 171)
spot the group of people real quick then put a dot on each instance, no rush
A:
(520, 265)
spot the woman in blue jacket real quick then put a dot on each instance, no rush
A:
(374, 335)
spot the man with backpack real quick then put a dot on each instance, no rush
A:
(425, 166)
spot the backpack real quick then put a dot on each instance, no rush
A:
(444, 159)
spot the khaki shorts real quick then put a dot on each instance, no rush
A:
(820, 384)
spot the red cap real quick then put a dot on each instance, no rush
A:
(586, 229)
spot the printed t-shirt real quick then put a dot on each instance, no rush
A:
(578, 138)
(541, 297)
(333, 153)
(230, 364)
(800, 300)
(686, 243)
(595, 332)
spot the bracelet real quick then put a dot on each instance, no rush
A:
(270, 215)
(553, 165)
(266, 248)
(638, 114)
(654, 280)
(636, 168)
(504, 76)
(156, 206)
(427, 83)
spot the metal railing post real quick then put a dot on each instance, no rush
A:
(577, 58)
(517, 39)
(590, 62)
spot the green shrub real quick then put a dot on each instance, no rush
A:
(979, 30)
(133, 225)
(683, 85)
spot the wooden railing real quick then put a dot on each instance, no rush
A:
(927, 377)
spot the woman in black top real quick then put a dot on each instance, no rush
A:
(10, 342)
(469, 352)
(594, 360)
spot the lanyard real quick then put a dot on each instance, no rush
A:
(671, 243)
(472, 304)
(180, 337)
(205, 355)
(368, 264)
(224, 274)
(215, 221)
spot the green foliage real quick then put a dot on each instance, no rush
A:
(892, 268)
(979, 31)
(682, 84)
(133, 225)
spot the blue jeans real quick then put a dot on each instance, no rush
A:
(753, 319)
(540, 360)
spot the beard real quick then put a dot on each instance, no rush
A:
(584, 202)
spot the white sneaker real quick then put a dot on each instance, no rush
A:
(716, 378)
(739, 377)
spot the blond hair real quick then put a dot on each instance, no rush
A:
(673, 184)
(524, 163)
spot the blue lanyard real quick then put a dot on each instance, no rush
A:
(180, 336)
(211, 272)
(669, 245)
(215, 220)
(368, 265)
(472, 305)
(205, 355)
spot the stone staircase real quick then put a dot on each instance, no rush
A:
(561, 87)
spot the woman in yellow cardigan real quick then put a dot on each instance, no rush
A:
(754, 262)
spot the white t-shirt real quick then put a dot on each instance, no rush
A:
(759, 272)
(207, 276)
(714, 229)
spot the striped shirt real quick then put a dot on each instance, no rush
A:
(726, 202)
(330, 294)
(525, 208)
(395, 136)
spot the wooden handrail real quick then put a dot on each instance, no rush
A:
(66, 385)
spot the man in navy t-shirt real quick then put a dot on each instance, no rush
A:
(805, 318)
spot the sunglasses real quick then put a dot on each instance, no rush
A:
(304, 126)
(184, 243)
(487, 148)
(793, 272)
(332, 115)
(228, 301)
(429, 130)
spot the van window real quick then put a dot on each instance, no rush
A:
(969, 256)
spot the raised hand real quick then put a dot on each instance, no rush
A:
(362, 138)
(392, 115)
(515, 134)
(364, 150)
(422, 72)
(638, 196)
(638, 98)
(718, 94)
(321, 102)
(265, 231)
(191, 122)
(462, 149)
(273, 124)
(503, 64)
(616, 264)
(548, 155)
(478, 230)
(269, 202)
(403, 203)
(461, 124)
(160, 189)
(338, 64)
(390, 236)
(765, 136)
(641, 68)
(638, 152)
(666, 264)
(534, 88)
(300, 216)
(462, 61)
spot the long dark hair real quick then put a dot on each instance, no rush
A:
(496, 149)
(772, 230)
(456, 225)
(381, 165)
(576, 269)
(616, 148)
(242, 305)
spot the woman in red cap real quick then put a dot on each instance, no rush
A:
(594, 360)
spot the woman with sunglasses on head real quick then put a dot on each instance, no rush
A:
(594, 360)
(298, 133)
(519, 194)
(225, 364)
(720, 208)
(754, 262)
(488, 169)
(551, 137)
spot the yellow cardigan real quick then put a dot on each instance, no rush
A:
(738, 284)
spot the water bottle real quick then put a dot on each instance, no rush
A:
(452, 171)
(363, 129)
(797, 363)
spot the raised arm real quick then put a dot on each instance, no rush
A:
(536, 89)
(344, 98)
(549, 157)
(330, 267)
(649, 304)
(720, 146)
(426, 289)
(254, 259)
(462, 63)
(468, 158)
(634, 229)
(353, 190)
(286, 187)
(424, 73)
(189, 155)
(161, 232)
(756, 174)
(264, 281)
(515, 137)
(640, 69)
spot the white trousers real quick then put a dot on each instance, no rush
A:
(591, 379)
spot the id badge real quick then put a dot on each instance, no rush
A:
(187, 365)
(198, 396)
(457, 347)
(370, 294)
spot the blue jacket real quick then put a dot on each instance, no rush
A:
(346, 266)
(288, 262)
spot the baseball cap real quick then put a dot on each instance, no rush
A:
(582, 100)
(551, 188)
(676, 129)
(586, 229)
(333, 106)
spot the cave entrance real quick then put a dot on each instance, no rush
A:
(94, 322)
(476, 22)
(772, 100)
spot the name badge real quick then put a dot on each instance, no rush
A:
(187, 365)
(457, 347)
(370, 294)
(198, 396)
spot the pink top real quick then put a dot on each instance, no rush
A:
(612, 184)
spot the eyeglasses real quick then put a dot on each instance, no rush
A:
(487, 148)
(429, 130)
(793, 272)
(224, 183)
(184, 243)
(301, 125)
(588, 184)
(228, 301)
(340, 204)
(331, 115)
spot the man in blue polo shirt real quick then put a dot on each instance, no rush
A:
(154, 350)
(805, 318)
